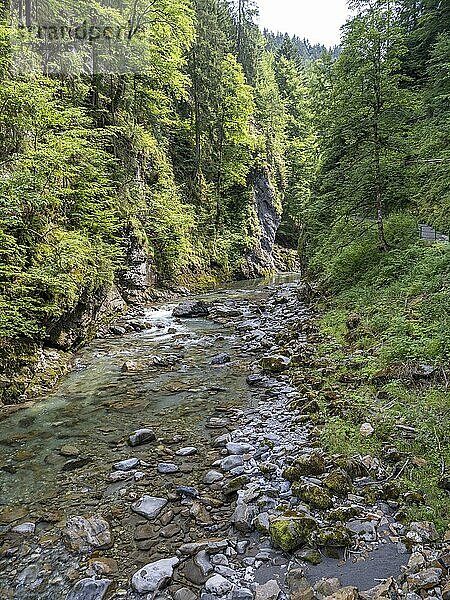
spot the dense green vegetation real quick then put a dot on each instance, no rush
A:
(165, 155)
(381, 112)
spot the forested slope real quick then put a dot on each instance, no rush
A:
(112, 182)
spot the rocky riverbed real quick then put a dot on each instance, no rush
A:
(177, 461)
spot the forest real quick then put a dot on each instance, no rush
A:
(223, 153)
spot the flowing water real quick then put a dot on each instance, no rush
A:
(97, 405)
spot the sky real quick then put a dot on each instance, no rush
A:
(317, 20)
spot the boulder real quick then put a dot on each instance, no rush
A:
(299, 586)
(290, 533)
(191, 309)
(154, 576)
(305, 465)
(338, 482)
(314, 495)
(345, 593)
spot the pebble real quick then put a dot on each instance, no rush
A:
(126, 465)
(167, 468)
(142, 436)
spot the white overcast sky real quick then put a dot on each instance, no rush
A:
(317, 20)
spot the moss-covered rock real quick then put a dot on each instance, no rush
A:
(343, 513)
(290, 533)
(338, 482)
(305, 464)
(276, 363)
(314, 495)
(333, 537)
(309, 555)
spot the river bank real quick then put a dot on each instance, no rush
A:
(225, 491)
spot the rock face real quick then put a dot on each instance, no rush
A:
(154, 576)
(89, 589)
(138, 275)
(259, 260)
(83, 535)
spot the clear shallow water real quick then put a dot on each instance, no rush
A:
(97, 405)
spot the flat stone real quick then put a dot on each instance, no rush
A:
(188, 451)
(236, 448)
(154, 576)
(126, 465)
(167, 468)
(142, 436)
(24, 529)
(213, 477)
(83, 535)
(12, 513)
(218, 585)
(149, 506)
(89, 589)
(231, 462)
(269, 591)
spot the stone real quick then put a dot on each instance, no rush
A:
(218, 586)
(188, 451)
(154, 576)
(82, 535)
(327, 586)
(345, 593)
(126, 465)
(89, 589)
(203, 563)
(446, 591)
(24, 529)
(231, 462)
(213, 477)
(338, 482)
(142, 436)
(262, 523)
(366, 430)
(242, 594)
(426, 530)
(299, 586)
(184, 594)
(167, 468)
(383, 590)
(310, 556)
(305, 465)
(191, 309)
(236, 448)
(269, 591)
(76, 463)
(10, 514)
(314, 495)
(68, 450)
(233, 485)
(275, 363)
(221, 359)
(128, 366)
(290, 533)
(104, 566)
(243, 516)
(186, 490)
(149, 506)
(334, 537)
(424, 580)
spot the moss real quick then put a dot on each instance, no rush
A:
(314, 495)
(289, 534)
(338, 482)
(275, 363)
(304, 465)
